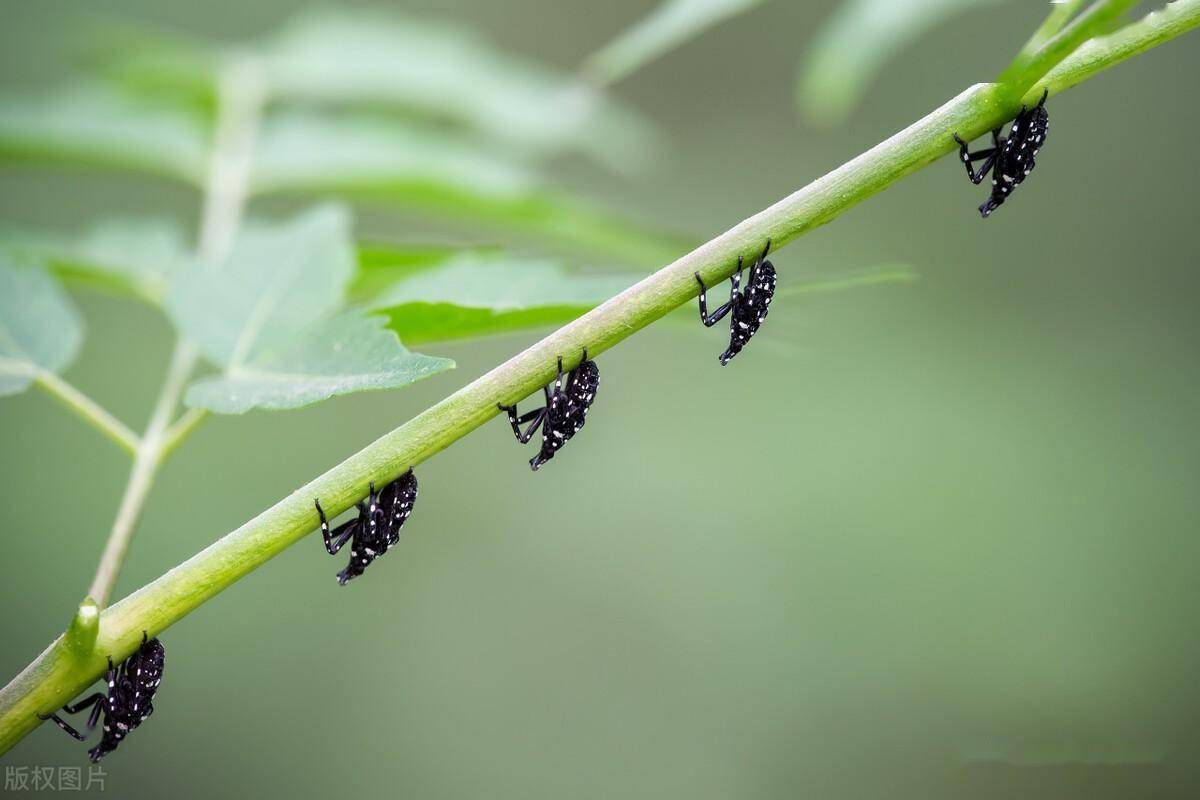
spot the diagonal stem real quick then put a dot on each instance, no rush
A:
(1089, 23)
(56, 675)
(147, 459)
(1060, 14)
(240, 100)
(89, 410)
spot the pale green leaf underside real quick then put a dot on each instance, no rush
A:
(856, 42)
(306, 150)
(385, 161)
(436, 70)
(131, 256)
(666, 27)
(448, 72)
(345, 354)
(95, 126)
(40, 330)
(362, 157)
(479, 294)
(276, 280)
(267, 314)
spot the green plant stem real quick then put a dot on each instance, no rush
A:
(1089, 23)
(240, 100)
(146, 461)
(182, 428)
(1060, 14)
(89, 410)
(56, 675)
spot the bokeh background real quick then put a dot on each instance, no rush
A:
(926, 540)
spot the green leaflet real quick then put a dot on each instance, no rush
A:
(269, 316)
(666, 27)
(96, 126)
(479, 294)
(137, 257)
(40, 330)
(437, 70)
(854, 45)
(347, 353)
(385, 161)
(364, 157)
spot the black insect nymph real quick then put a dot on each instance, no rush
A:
(376, 529)
(749, 308)
(564, 413)
(127, 704)
(1010, 159)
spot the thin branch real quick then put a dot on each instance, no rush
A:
(240, 100)
(91, 411)
(1091, 22)
(57, 675)
(1060, 14)
(182, 428)
(146, 462)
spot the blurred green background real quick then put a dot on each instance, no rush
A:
(918, 541)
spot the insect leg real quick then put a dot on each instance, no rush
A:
(372, 510)
(766, 250)
(94, 717)
(87, 702)
(989, 155)
(65, 726)
(759, 262)
(516, 422)
(538, 417)
(558, 384)
(97, 702)
(528, 415)
(719, 314)
(341, 534)
(573, 374)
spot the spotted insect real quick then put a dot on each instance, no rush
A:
(1010, 159)
(129, 701)
(749, 308)
(564, 413)
(376, 529)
